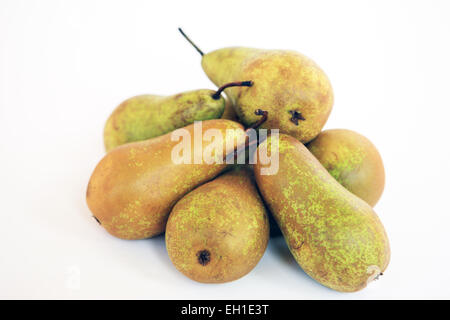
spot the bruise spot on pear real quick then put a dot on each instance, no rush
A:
(204, 256)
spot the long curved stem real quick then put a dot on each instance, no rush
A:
(191, 42)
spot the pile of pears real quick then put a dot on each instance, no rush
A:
(217, 217)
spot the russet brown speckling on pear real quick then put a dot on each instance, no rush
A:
(334, 236)
(134, 187)
(219, 231)
(352, 160)
(148, 116)
(229, 112)
(291, 87)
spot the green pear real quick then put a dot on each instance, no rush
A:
(334, 236)
(134, 187)
(352, 160)
(291, 87)
(219, 231)
(148, 116)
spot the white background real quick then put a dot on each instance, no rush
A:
(64, 66)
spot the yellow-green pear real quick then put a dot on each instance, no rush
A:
(291, 87)
(334, 236)
(148, 116)
(229, 112)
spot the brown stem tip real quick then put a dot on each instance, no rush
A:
(190, 41)
(203, 257)
(216, 96)
(259, 112)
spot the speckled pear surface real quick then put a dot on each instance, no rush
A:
(134, 187)
(229, 112)
(148, 116)
(334, 236)
(352, 160)
(284, 82)
(219, 231)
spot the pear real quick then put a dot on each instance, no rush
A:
(134, 187)
(219, 231)
(291, 87)
(148, 116)
(352, 160)
(334, 236)
(229, 112)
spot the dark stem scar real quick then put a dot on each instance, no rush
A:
(97, 220)
(296, 116)
(203, 257)
(335, 155)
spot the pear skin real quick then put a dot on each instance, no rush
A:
(334, 236)
(229, 112)
(134, 187)
(219, 231)
(148, 116)
(352, 160)
(291, 87)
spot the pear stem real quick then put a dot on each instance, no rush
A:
(216, 96)
(248, 143)
(190, 41)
